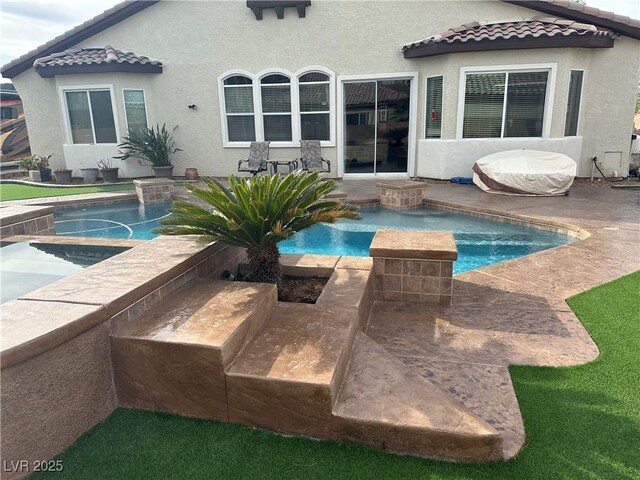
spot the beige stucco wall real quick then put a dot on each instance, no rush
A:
(51, 399)
(198, 41)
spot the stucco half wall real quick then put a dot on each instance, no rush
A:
(445, 159)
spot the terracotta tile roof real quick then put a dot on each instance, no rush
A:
(535, 28)
(94, 56)
(100, 22)
(567, 8)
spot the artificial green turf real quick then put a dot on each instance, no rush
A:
(16, 191)
(581, 422)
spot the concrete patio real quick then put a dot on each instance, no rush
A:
(513, 312)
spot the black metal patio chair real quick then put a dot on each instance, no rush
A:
(311, 157)
(257, 161)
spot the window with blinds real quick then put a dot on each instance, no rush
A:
(433, 122)
(573, 103)
(315, 106)
(280, 107)
(238, 103)
(504, 104)
(276, 108)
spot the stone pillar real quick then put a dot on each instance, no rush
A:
(154, 190)
(413, 265)
(401, 195)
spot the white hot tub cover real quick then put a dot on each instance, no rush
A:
(525, 172)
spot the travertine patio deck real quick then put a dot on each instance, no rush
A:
(513, 312)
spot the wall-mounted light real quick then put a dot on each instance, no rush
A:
(193, 106)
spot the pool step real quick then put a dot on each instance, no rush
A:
(287, 378)
(384, 403)
(173, 358)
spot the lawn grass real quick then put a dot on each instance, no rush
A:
(582, 423)
(16, 191)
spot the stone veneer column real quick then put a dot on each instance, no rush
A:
(413, 265)
(401, 195)
(154, 190)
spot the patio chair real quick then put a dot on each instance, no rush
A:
(311, 158)
(257, 161)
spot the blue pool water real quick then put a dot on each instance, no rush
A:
(117, 220)
(25, 267)
(480, 242)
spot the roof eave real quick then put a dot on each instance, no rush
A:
(68, 39)
(560, 11)
(46, 71)
(486, 45)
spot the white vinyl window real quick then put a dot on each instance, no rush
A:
(505, 104)
(239, 108)
(275, 92)
(315, 106)
(277, 106)
(90, 116)
(135, 110)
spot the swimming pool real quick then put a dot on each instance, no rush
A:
(25, 267)
(480, 242)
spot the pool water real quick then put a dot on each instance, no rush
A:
(480, 242)
(25, 267)
(116, 220)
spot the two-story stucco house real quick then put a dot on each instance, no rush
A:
(410, 88)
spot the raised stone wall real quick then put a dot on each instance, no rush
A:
(401, 196)
(413, 265)
(26, 220)
(154, 190)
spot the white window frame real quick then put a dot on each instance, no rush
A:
(534, 67)
(578, 129)
(65, 111)
(424, 130)
(413, 123)
(258, 116)
(293, 94)
(332, 101)
(223, 109)
(124, 106)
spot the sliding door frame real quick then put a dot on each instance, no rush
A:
(413, 119)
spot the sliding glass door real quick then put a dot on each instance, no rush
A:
(376, 126)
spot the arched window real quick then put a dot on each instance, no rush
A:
(315, 106)
(277, 106)
(239, 111)
(275, 90)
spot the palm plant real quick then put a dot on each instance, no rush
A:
(155, 145)
(257, 214)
